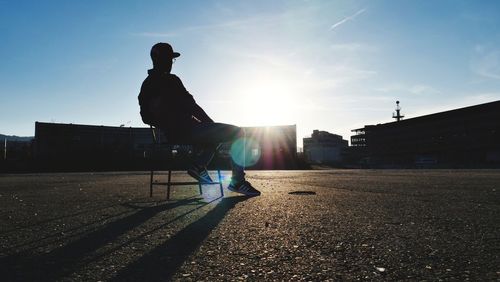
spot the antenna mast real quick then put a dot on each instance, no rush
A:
(398, 116)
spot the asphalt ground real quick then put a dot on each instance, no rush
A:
(306, 225)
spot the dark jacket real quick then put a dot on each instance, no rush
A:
(166, 103)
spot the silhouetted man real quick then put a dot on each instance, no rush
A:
(167, 104)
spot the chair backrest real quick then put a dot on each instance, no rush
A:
(177, 147)
(156, 134)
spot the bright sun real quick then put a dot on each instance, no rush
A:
(271, 101)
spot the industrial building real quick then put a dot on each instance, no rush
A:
(324, 148)
(84, 147)
(465, 137)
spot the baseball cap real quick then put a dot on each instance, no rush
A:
(163, 50)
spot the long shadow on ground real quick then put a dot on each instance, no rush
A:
(65, 260)
(163, 262)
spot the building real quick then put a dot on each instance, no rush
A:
(465, 137)
(84, 147)
(90, 147)
(324, 147)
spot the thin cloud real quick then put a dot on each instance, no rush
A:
(416, 89)
(486, 62)
(233, 24)
(346, 19)
(423, 89)
(346, 47)
(352, 48)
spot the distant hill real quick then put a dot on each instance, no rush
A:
(15, 138)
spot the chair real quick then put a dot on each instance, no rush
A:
(157, 142)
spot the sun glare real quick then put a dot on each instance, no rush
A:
(272, 102)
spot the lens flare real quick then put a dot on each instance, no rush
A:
(245, 152)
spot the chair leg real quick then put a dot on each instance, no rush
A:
(199, 186)
(168, 183)
(220, 183)
(151, 184)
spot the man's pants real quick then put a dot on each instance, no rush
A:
(207, 138)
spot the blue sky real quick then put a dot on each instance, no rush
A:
(328, 65)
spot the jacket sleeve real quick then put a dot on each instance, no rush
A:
(144, 102)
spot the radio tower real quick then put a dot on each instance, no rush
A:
(398, 116)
